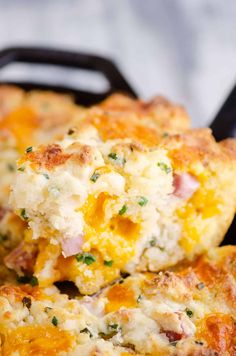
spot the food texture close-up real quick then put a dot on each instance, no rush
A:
(117, 178)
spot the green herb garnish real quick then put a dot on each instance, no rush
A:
(86, 331)
(95, 177)
(108, 263)
(189, 312)
(123, 210)
(54, 321)
(24, 215)
(86, 258)
(21, 169)
(142, 201)
(33, 281)
(29, 149)
(139, 298)
(113, 327)
(165, 134)
(164, 167)
(113, 155)
(117, 158)
(46, 175)
(23, 279)
(153, 241)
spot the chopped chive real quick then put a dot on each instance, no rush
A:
(113, 326)
(86, 258)
(200, 285)
(199, 342)
(26, 302)
(54, 321)
(23, 279)
(165, 134)
(173, 343)
(142, 201)
(139, 298)
(164, 167)
(113, 329)
(153, 241)
(123, 210)
(46, 175)
(29, 149)
(87, 331)
(108, 263)
(33, 281)
(113, 155)
(189, 312)
(21, 169)
(94, 177)
(24, 215)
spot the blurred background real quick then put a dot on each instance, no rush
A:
(183, 49)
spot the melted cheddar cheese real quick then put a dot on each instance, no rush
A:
(22, 124)
(37, 340)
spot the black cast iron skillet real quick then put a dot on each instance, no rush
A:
(223, 126)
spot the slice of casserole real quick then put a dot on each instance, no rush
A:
(96, 208)
(35, 117)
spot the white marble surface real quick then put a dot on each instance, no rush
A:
(185, 49)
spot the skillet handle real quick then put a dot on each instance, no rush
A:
(69, 59)
(224, 124)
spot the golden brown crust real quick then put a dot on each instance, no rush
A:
(17, 293)
(52, 156)
(83, 154)
(145, 122)
(47, 156)
(160, 111)
(199, 145)
(229, 145)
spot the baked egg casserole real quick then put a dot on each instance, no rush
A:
(109, 218)
(98, 208)
(189, 311)
(36, 117)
